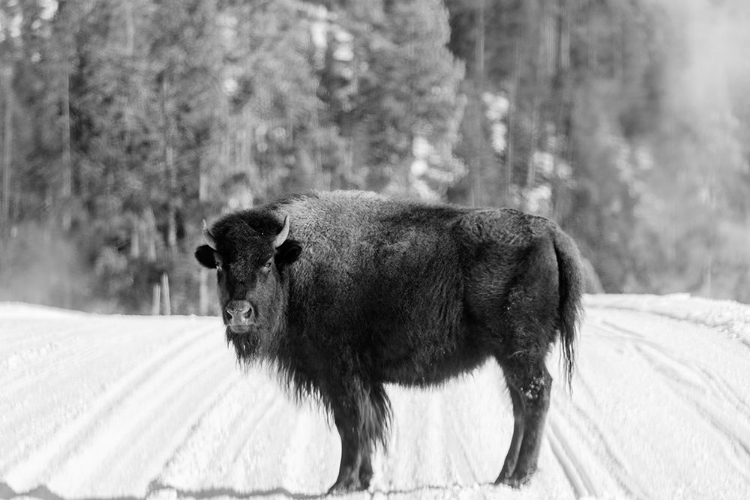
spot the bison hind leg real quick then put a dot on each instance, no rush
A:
(509, 465)
(530, 385)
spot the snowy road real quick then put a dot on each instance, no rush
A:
(130, 407)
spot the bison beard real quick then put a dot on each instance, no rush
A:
(344, 292)
(245, 345)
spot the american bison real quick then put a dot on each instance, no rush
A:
(347, 291)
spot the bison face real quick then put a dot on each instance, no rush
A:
(250, 258)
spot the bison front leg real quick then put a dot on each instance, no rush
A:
(352, 455)
(361, 414)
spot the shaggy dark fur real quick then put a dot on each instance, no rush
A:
(366, 290)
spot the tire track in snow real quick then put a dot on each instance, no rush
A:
(21, 361)
(416, 448)
(585, 451)
(427, 456)
(248, 425)
(681, 372)
(608, 462)
(259, 464)
(31, 470)
(478, 439)
(215, 436)
(400, 463)
(27, 359)
(160, 412)
(693, 384)
(574, 473)
(29, 333)
(63, 373)
(737, 434)
(730, 395)
(204, 414)
(465, 467)
(242, 442)
(141, 460)
(677, 369)
(431, 444)
(307, 465)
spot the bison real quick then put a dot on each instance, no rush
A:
(347, 291)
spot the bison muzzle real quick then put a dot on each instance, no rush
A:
(347, 291)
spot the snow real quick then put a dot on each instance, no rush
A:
(728, 316)
(95, 406)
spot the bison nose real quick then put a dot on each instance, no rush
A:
(239, 310)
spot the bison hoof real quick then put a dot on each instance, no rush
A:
(509, 481)
(347, 485)
(516, 480)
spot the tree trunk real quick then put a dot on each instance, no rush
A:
(150, 235)
(560, 92)
(66, 190)
(169, 166)
(480, 66)
(156, 300)
(530, 165)
(203, 302)
(202, 197)
(165, 295)
(708, 273)
(7, 157)
(512, 111)
(477, 167)
(135, 238)
(540, 73)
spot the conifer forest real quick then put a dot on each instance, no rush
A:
(125, 124)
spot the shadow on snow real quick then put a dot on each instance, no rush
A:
(44, 493)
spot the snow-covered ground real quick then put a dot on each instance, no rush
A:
(124, 408)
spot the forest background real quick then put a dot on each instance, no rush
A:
(124, 124)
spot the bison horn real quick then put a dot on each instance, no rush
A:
(281, 237)
(209, 237)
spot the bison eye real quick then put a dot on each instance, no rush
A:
(268, 264)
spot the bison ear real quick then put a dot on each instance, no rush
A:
(287, 253)
(206, 256)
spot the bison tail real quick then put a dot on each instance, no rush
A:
(571, 282)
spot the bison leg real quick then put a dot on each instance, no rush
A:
(351, 455)
(515, 442)
(361, 415)
(530, 387)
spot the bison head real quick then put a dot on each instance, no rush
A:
(250, 252)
